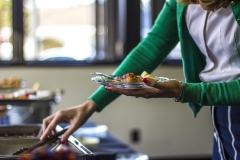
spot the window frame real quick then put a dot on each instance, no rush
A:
(124, 25)
(117, 18)
(157, 6)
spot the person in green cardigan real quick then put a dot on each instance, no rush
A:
(209, 34)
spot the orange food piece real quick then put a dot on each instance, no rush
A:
(130, 77)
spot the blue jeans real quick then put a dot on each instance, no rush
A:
(226, 122)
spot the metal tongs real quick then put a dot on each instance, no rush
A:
(40, 143)
(102, 74)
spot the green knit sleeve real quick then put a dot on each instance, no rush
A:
(148, 55)
(207, 94)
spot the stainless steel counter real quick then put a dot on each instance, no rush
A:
(15, 137)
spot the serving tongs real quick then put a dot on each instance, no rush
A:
(104, 75)
(40, 143)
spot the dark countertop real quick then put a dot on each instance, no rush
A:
(111, 148)
(108, 148)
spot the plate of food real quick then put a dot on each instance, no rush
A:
(11, 83)
(126, 81)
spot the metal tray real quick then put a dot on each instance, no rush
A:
(10, 144)
(20, 131)
(25, 111)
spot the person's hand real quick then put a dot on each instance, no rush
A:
(166, 89)
(76, 116)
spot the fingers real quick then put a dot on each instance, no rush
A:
(171, 87)
(167, 88)
(76, 116)
(153, 83)
(163, 85)
(46, 121)
(70, 130)
(49, 125)
(127, 92)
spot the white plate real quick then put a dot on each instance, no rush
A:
(126, 85)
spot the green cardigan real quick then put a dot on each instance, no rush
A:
(170, 28)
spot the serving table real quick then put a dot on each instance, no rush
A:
(31, 112)
(111, 148)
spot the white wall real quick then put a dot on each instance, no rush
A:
(167, 128)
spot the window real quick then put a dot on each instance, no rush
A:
(72, 32)
(5, 30)
(62, 32)
(149, 12)
(146, 17)
(60, 29)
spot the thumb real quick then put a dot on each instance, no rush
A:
(153, 83)
(150, 82)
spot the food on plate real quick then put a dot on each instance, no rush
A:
(126, 81)
(19, 94)
(11, 82)
(130, 77)
(146, 75)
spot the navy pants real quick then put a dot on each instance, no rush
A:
(226, 122)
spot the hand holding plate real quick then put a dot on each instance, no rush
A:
(167, 88)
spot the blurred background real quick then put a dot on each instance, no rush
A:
(58, 43)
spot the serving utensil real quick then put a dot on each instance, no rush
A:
(102, 74)
(40, 143)
(36, 86)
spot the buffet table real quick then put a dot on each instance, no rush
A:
(108, 146)
(111, 148)
(26, 115)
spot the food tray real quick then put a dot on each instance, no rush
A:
(20, 131)
(9, 144)
(9, 87)
(126, 85)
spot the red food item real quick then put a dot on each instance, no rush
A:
(44, 153)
